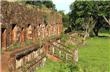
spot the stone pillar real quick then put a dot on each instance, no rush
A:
(37, 31)
(59, 53)
(46, 48)
(52, 29)
(49, 30)
(43, 31)
(75, 55)
(8, 37)
(11, 36)
(22, 38)
(18, 35)
(15, 34)
(12, 64)
(33, 36)
(58, 29)
(43, 62)
(61, 28)
(29, 32)
(53, 50)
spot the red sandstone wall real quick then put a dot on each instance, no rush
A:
(44, 23)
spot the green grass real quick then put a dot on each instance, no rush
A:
(59, 66)
(93, 57)
(104, 34)
(53, 66)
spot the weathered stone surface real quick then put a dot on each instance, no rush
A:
(22, 23)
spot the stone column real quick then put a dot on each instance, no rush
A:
(37, 33)
(11, 36)
(33, 36)
(57, 29)
(66, 57)
(53, 50)
(22, 38)
(59, 53)
(44, 60)
(46, 48)
(75, 55)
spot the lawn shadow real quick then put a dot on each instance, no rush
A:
(104, 36)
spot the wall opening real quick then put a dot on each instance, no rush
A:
(3, 38)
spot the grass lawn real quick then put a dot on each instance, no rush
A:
(53, 66)
(93, 57)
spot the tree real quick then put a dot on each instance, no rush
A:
(103, 9)
(49, 4)
(65, 19)
(83, 11)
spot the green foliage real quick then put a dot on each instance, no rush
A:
(3, 26)
(64, 37)
(70, 46)
(81, 11)
(41, 4)
(14, 46)
(79, 20)
(28, 42)
(56, 52)
(46, 19)
(65, 19)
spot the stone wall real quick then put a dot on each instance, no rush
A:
(24, 23)
(25, 34)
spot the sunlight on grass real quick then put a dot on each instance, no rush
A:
(104, 34)
(94, 56)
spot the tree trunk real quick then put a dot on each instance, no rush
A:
(96, 32)
(91, 34)
(107, 20)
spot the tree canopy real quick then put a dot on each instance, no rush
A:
(90, 15)
(40, 3)
(65, 18)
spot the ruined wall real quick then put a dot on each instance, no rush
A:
(26, 32)
(31, 23)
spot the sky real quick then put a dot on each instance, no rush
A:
(63, 4)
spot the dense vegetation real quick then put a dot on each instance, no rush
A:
(40, 3)
(90, 16)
